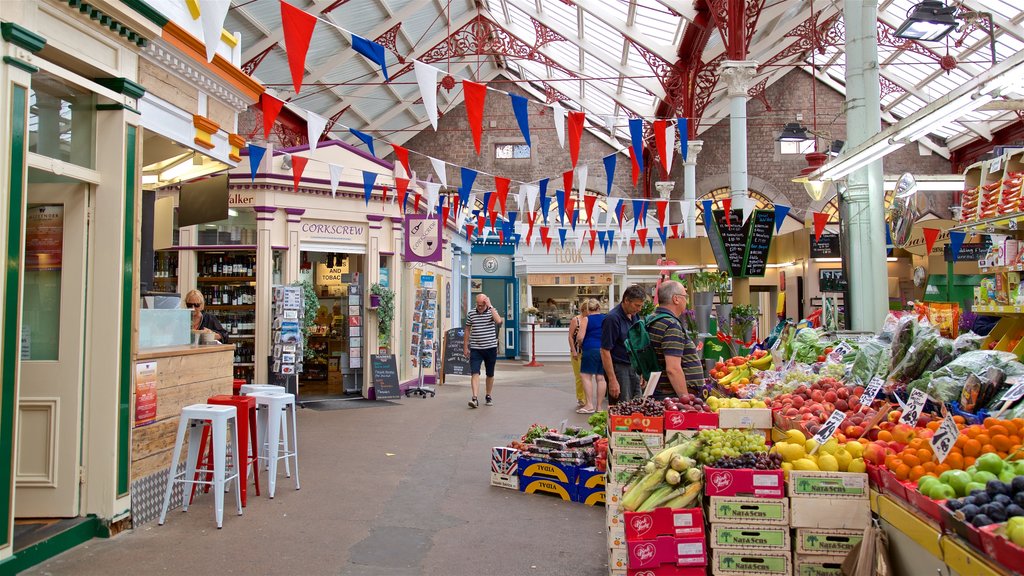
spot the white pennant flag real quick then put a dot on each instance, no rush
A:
(748, 208)
(532, 192)
(609, 124)
(335, 178)
(581, 234)
(426, 77)
(670, 145)
(433, 191)
(581, 177)
(467, 210)
(440, 169)
(559, 116)
(315, 125)
(520, 196)
(211, 15)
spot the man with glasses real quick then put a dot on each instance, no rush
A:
(683, 371)
(623, 381)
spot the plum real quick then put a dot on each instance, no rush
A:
(1018, 499)
(981, 497)
(954, 505)
(981, 520)
(1017, 485)
(994, 487)
(970, 511)
(1013, 510)
(1002, 499)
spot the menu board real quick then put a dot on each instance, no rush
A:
(969, 251)
(454, 360)
(384, 372)
(759, 242)
(732, 239)
(825, 247)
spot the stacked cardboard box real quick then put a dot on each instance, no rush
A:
(548, 477)
(666, 542)
(750, 536)
(505, 467)
(829, 512)
(631, 442)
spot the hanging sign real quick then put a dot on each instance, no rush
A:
(825, 247)
(422, 238)
(759, 242)
(729, 240)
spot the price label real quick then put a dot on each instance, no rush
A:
(915, 405)
(652, 383)
(871, 392)
(945, 437)
(1015, 393)
(829, 427)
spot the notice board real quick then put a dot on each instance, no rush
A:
(384, 374)
(453, 360)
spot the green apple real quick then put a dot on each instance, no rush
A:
(940, 491)
(972, 470)
(958, 479)
(1019, 467)
(983, 476)
(1007, 475)
(990, 463)
(1015, 530)
(925, 481)
(972, 486)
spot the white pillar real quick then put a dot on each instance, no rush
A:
(738, 75)
(690, 186)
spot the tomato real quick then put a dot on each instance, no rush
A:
(821, 358)
(828, 350)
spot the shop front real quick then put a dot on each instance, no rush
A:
(493, 270)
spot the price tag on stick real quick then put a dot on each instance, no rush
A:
(1012, 395)
(915, 405)
(871, 392)
(945, 437)
(828, 428)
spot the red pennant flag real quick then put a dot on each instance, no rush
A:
(455, 204)
(661, 205)
(531, 219)
(481, 219)
(547, 244)
(727, 205)
(659, 141)
(641, 233)
(469, 231)
(383, 194)
(271, 108)
(622, 212)
(445, 211)
(636, 167)
(544, 233)
(588, 204)
(570, 207)
(402, 187)
(298, 29)
(820, 219)
(576, 121)
(492, 210)
(475, 94)
(298, 165)
(567, 183)
(419, 197)
(632, 245)
(593, 235)
(930, 236)
(591, 246)
(501, 236)
(402, 154)
(502, 185)
(494, 220)
(675, 230)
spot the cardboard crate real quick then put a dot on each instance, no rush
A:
(616, 520)
(690, 421)
(852, 485)
(837, 513)
(631, 458)
(636, 423)
(638, 441)
(804, 565)
(744, 482)
(505, 461)
(690, 551)
(590, 477)
(505, 481)
(999, 548)
(757, 418)
(732, 562)
(826, 542)
(750, 537)
(668, 570)
(736, 510)
(547, 486)
(679, 523)
(616, 536)
(613, 495)
(590, 496)
(618, 559)
(564, 473)
(621, 474)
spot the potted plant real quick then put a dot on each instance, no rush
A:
(724, 307)
(531, 314)
(311, 304)
(743, 318)
(704, 284)
(647, 309)
(385, 298)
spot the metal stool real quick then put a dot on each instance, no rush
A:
(269, 405)
(261, 424)
(248, 441)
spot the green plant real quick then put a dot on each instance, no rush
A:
(311, 304)
(744, 314)
(705, 281)
(647, 309)
(385, 313)
(723, 288)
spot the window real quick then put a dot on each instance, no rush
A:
(719, 194)
(804, 147)
(511, 151)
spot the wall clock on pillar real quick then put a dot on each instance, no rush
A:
(920, 276)
(490, 264)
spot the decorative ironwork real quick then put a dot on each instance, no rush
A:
(830, 33)
(757, 92)
(720, 16)
(545, 35)
(389, 40)
(448, 82)
(332, 121)
(754, 8)
(947, 63)
(553, 95)
(333, 6)
(888, 87)
(704, 85)
(250, 124)
(887, 38)
(254, 62)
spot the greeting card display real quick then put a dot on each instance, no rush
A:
(288, 315)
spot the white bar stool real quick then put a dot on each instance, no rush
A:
(193, 417)
(261, 424)
(268, 406)
(247, 389)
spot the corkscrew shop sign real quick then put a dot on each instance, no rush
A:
(335, 231)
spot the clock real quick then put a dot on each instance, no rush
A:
(490, 264)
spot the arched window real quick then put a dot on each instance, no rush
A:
(832, 207)
(719, 194)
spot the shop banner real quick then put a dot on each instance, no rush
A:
(145, 393)
(44, 237)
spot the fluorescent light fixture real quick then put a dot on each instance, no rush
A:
(781, 265)
(177, 171)
(951, 183)
(892, 259)
(841, 166)
(828, 260)
(232, 212)
(928, 21)
(149, 179)
(654, 268)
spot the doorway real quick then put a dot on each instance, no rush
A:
(504, 294)
(764, 298)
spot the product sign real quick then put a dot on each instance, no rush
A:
(759, 242)
(384, 372)
(871, 391)
(454, 359)
(729, 240)
(829, 427)
(945, 437)
(44, 237)
(825, 247)
(332, 230)
(915, 405)
(145, 393)
(422, 238)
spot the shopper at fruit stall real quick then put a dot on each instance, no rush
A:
(623, 381)
(576, 354)
(683, 371)
(481, 345)
(589, 341)
(204, 322)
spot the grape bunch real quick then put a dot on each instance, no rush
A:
(646, 406)
(717, 444)
(834, 370)
(751, 460)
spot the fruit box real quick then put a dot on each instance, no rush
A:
(617, 559)
(892, 485)
(744, 482)
(613, 494)
(505, 481)
(547, 486)
(690, 421)
(679, 523)
(590, 496)
(853, 485)
(628, 458)
(616, 536)
(689, 551)
(589, 477)
(824, 542)
(637, 423)
(760, 418)
(749, 537)
(564, 473)
(829, 513)
(955, 524)
(772, 511)
(668, 570)
(729, 562)
(923, 503)
(505, 460)
(997, 546)
(874, 475)
(804, 565)
(639, 441)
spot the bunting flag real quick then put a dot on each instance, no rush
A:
(956, 240)
(611, 236)
(455, 204)
(298, 29)
(545, 205)
(384, 194)
(650, 244)
(487, 205)
(592, 244)
(469, 231)
(642, 235)
(663, 234)
(661, 206)
(433, 193)
(561, 236)
(675, 230)
(602, 239)
(558, 113)
(474, 95)
(636, 134)
(576, 122)
(501, 236)
(211, 15)
(368, 180)
(547, 244)
(636, 166)
(298, 165)
(416, 202)
(708, 216)
(589, 200)
(748, 208)
(930, 236)
(522, 117)
(512, 216)
(560, 199)
(574, 216)
(638, 207)
(570, 208)
(441, 170)
(670, 147)
(315, 125)
(335, 172)
(426, 79)
(521, 196)
(256, 154)
(727, 206)
(271, 107)
(658, 127)
(609, 171)
(632, 245)
(492, 210)
(445, 211)
(502, 185)
(402, 155)
(468, 177)
(581, 177)
(531, 196)
(373, 51)
(366, 138)
(780, 216)
(481, 221)
(567, 182)
(402, 188)
(820, 219)
(531, 219)
(684, 136)
(620, 212)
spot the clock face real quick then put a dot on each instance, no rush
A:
(490, 264)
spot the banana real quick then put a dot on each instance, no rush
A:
(762, 363)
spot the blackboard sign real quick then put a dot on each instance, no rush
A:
(969, 252)
(762, 228)
(384, 372)
(733, 236)
(454, 361)
(832, 280)
(826, 247)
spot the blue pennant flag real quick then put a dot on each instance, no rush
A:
(780, 216)
(440, 206)
(561, 236)
(638, 207)
(708, 216)
(574, 218)
(956, 240)
(560, 198)
(609, 170)
(255, 159)
(373, 51)
(618, 206)
(636, 133)
(611, 236)
(650, 244)
(602, 237)
(512, 220)
(487, 204)
(663, 232)
(543, 184)
(643, 212)
(522, 116)
(366, 138)
(368, 180)
(507, 229)
(468, 177)
(545, 204)
(684, 136)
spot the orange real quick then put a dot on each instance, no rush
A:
(940, 468)
(885, 436)
(902, 472)
(892, 461)
(990, 421)
(916, 472)
(959, 420)
(998, 430)
(988, 449)
(910, 459)
(961, 440)
(934, 424)
(984, 439)
(929, 466)
(955, 461)
(972, 448)
(916, 443)
(968, 462)
(1002, 442)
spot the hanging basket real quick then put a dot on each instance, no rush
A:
(374, 301)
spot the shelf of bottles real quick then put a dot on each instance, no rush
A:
(165, 271)
(227, 280)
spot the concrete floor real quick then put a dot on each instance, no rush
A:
(386, 490)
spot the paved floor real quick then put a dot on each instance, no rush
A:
(390, 490)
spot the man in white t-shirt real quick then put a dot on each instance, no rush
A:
(481, 344)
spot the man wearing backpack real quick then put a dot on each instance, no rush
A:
(676, 353)
(623, 381)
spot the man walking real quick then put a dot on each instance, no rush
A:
(623, 381)
(481, 345)
(676, 351)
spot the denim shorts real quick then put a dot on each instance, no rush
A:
(487, 356)
(591, 363)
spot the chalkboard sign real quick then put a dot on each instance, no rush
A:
(384, 372)
(762, 228)
(733, 235)
(832, 280)
(969, 252)
(454, 361)
(825, 247)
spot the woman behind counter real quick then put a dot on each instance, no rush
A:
(204, 322)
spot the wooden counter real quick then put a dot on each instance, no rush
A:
(184, 375)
